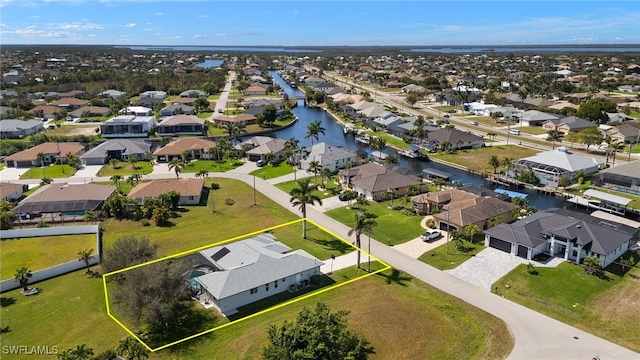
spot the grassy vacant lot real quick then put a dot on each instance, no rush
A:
(68, 130)
(392, 224)
(439, 258)
(51, 171)
(478, 159)
(124, 168)
(484, 120)
(390, 139)
(331, 190)
(199, 225)
(271, 171)
(37, 253)
(533, 130)
(605, 307)
(211, 165)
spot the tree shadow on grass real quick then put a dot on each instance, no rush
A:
(5, 330)
(333, 245)
(7, 301)
(396, 276)
(191, 320)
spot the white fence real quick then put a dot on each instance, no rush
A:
(10, 284)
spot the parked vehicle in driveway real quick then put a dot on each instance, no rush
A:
(261, 163)
(430, 235)
(473, 123)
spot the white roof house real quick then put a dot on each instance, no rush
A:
(330, 157)
(139, 110)
(550, 165)
(246, 271)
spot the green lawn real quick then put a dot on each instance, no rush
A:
(332, 188)
(318, 243)
(484, 120)
(444, 108)
(271, 171)
(635, 148)
(31, 191)
(124, 168)
(567, 293)
(392, 225)
(440, 259)
(211, 165)
(390, 139)
(37, 253)
(478, 159)
(199, 226)
(204, 114)
(533, 130)
(51, 171)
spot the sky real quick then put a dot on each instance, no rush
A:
(318, 23)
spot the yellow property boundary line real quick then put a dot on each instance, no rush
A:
(286, 303)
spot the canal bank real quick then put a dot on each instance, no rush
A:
(335, 136)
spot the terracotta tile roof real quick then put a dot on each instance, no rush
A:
(181, 120)
(186, 187)
(69, 101)
(61, 149)
(8, 188)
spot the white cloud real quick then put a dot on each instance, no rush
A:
(158, 14)
(236, 34)
(200, 36)
(76, 26)
(32, 26)
(177, 37)
(130, 25)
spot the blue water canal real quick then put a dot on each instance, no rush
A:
(334, 135)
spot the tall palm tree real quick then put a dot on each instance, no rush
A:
(553, 136)
(302, 196)
(22, 276)
(471, 230)
(132, 349)
(315, 168)
(235, 131)
(82, 352)
(506, 161)
(445, 145)
(115, 163)
(134, 179)
(418, 128)
(364, 222)
(203, 173)
(614, 147)
(391, 159)
(269, 156)
(413, 189)
(85, 255)
(495, 163)
(116, 180)
(326, 175)
(314, 130)
(440, 97)
(133, 161)
(292, 147)
(177, 165)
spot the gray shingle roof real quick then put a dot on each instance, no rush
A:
(251, 263)
(128, 147)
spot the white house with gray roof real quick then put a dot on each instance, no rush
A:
(560, 236)
(121, 149)
(243, 272)
(550, 165)
(330, 157)
(17, 129)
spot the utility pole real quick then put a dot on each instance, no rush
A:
(447, 232)
(369, 250)
(254, 190)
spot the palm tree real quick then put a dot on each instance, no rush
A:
(471, 230)
(116, 180)
(391, 159)
(506, 161)
(134, 179)
(445, 145)
(235, 131)
(615, 147)
(203, 173)
(580, 174)
(132, 349)
(85, 255)
(413, 189)
(439, 183)
(326, 175)
(133, 161)
(269, 156)
(418, 127)
(22, 276)
(177, 165)
(361, 203)
(314, 130)
(291, 146)
(301, 196)
(440, 97)
(115, 163)
(491, 135)
(41, 160)
(82, 352)
(364, 222)
(553, 136)
(315, 168)
(494, 221)
(495, 163)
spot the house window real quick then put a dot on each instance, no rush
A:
(283, 280)
(253, 291)
(190, 197)
(266, 287)
(275, 284)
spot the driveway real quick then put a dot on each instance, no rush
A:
(88, 171)
(12, 173)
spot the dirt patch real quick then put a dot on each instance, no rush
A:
(83, 130)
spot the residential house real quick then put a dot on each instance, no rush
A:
(194, 94)
(260, 146)
(70, 103)
(536, 118)
(120, 149)
(458, 208)
(114, 94)
(629, 88)
(56, 202)
(330, 157)
(313, 81)
(549, 166)
(623, 133)
(457, 139)
(154, 95)
(246, 271)
(375, 181)
(12, 192)
(177, 109)
(325, 87)
(17, 129)
(560, 236)
(190, 190)
(243, 119)
(623, 177)
(87, 111)
(50, 153)
(568, 125)
(256, 90)
(138, 111)
(195, 148)
(128, 126)
(617, 117)
(46, 111)
(260, 103)
(181, 125)
(414, 88)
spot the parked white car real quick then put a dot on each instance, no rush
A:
(430, 235)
